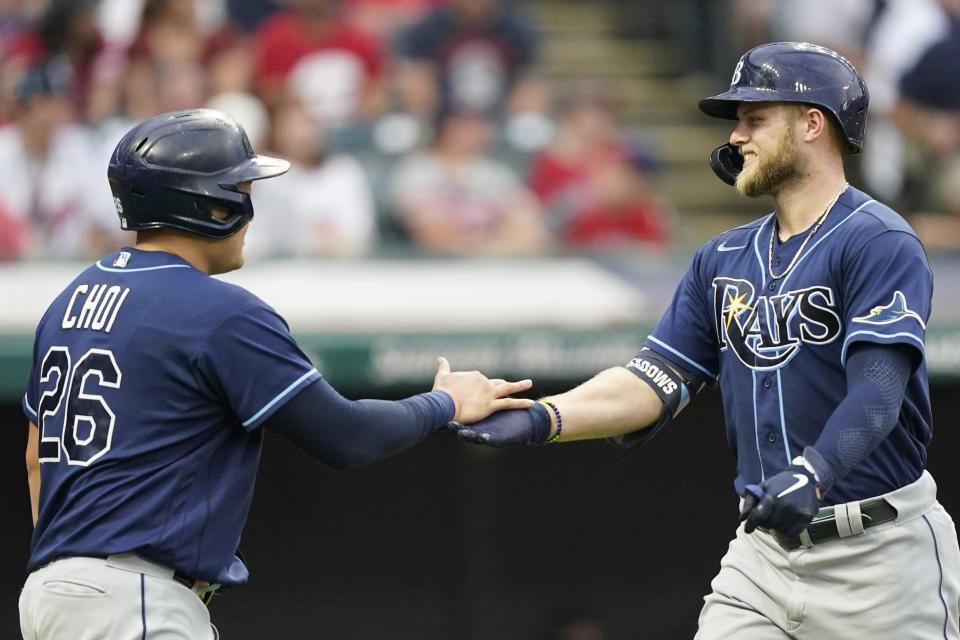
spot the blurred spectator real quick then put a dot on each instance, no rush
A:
(627, 212)
(929, 115)
(323, 206)
(68, 32)
(158, 88)
(940, 231)
(250, 14)
(16, 15)
(309, 53)
(841, 25)
(929, 108)
(383, 19)
(163, 88)
(456, 200)
(592, 182)
(901, 34)
(474, 54)
(53, 201)
(171, 37)
(248, 111)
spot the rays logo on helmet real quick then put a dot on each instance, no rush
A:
(736, 73)
(889, 313)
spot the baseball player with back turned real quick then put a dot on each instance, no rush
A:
(151, 388)
(811, 321)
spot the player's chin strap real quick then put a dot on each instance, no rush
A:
(672, 388)
(726, 162)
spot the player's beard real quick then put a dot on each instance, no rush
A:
(771, 172)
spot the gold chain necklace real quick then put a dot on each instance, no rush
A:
(796, 256)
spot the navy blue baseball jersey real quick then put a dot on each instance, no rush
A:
(776, 345)
(149, 381)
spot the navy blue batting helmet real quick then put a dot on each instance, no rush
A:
(169, 171)
(798, 72)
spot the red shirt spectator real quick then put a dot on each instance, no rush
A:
(605, 227)
(67, 31)
(593, 183)
(330, 66)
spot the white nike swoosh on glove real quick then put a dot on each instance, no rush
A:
(802, 481)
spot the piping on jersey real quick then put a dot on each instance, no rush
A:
(783, 421)
(756, 247)
(886, 336)
(713, 376)
(813, 247)
(783, 282)
(162, 266)
(26, 403)
(756, 425)
(280, 396)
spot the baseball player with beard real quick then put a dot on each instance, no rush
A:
(152, 386)
(811, 321)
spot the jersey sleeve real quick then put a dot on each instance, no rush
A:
(30, 403)
(253, 362)
(888, 289)
(686, 335)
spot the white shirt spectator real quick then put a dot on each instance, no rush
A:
(325, 211)
(60, 199)
(903, 31)
(838, 24)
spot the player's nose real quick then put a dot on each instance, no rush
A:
(739, 137)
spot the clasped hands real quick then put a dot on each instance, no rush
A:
(475, 396)
(786, 501)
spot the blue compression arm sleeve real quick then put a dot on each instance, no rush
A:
(346, 433)
(877, 377)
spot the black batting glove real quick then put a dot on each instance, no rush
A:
(514, 426)
(785, 502)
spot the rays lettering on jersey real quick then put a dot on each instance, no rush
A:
(766, 332)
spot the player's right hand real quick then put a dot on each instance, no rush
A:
(786, 501)
(526, 426)
(475, 396)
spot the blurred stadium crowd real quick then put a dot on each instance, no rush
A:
(427, 125)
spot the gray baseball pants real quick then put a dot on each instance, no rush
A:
(895, 581)
(123, 597)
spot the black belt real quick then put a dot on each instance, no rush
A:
(823, 527)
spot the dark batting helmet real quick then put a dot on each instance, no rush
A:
(792, 72)
(169, 171)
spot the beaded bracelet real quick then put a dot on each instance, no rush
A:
(556, 412)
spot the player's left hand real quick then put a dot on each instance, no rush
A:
(475, 396)
(786, 501)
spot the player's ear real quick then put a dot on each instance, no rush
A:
(815, 124)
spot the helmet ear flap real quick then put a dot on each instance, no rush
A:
(726, 162)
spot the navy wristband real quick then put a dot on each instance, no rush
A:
(556, 412)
